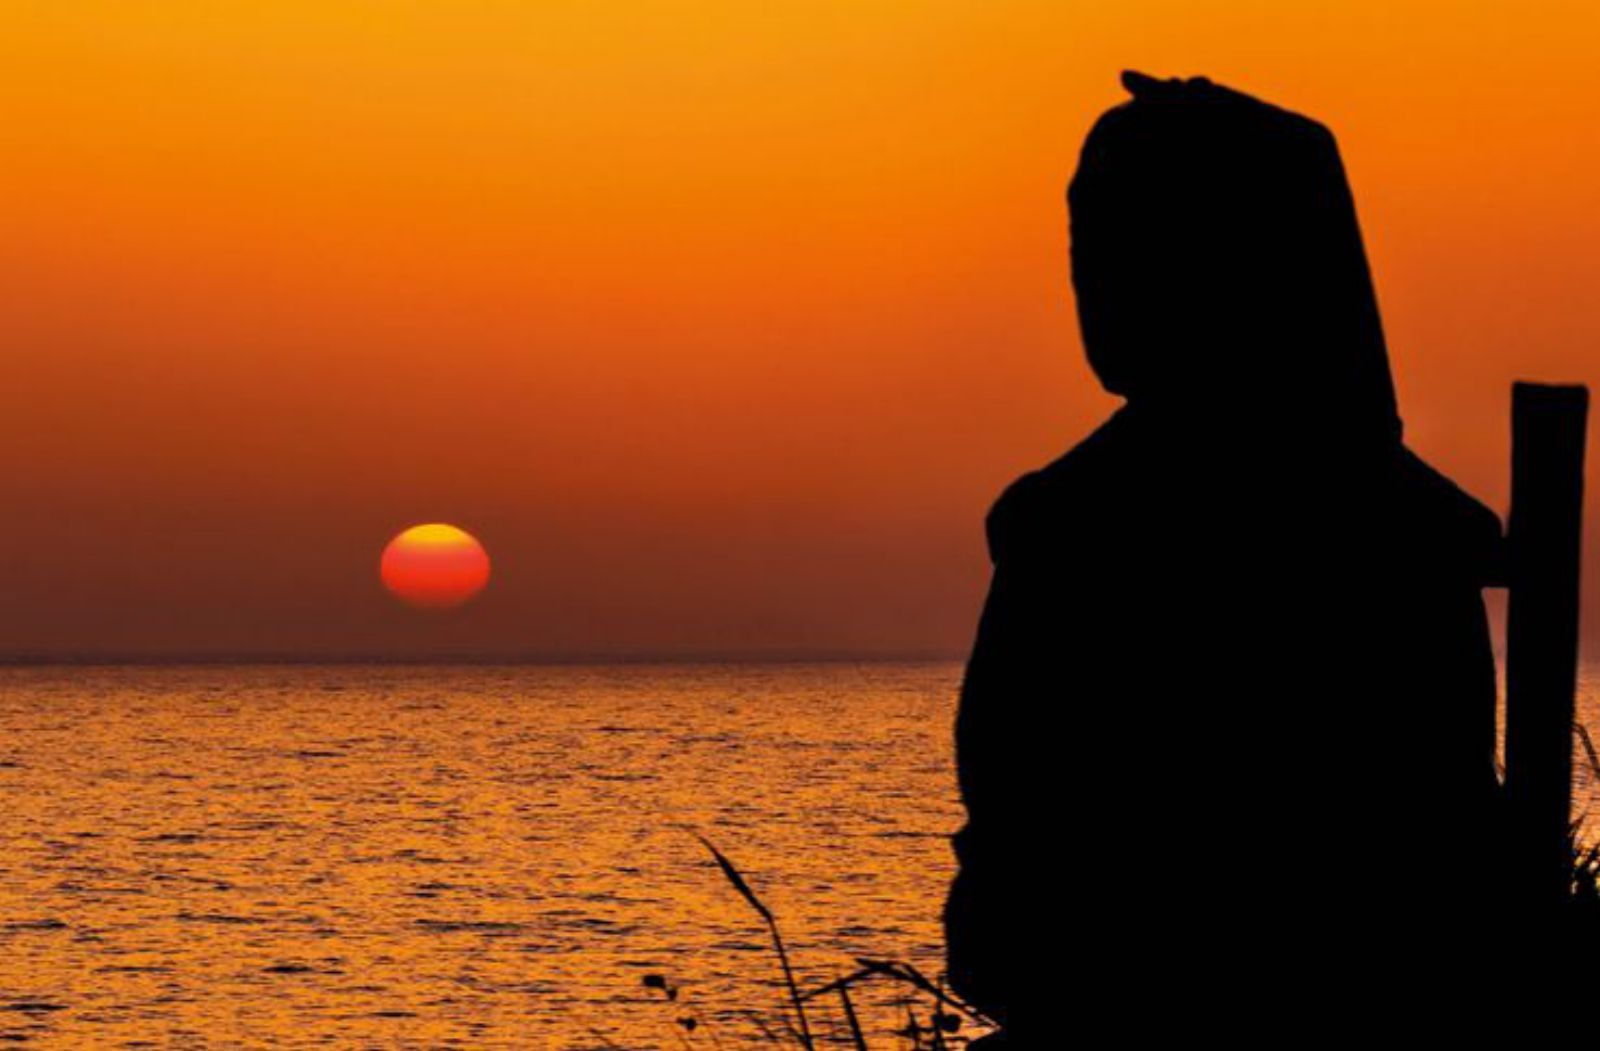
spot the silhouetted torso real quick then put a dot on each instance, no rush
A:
(1229, 721)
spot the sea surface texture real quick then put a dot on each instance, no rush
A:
(473, 857)
(467, 857)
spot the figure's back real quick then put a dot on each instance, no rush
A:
(1232, 692)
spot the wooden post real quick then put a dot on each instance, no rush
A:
(1547, 439)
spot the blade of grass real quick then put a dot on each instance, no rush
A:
(850, 1017)
(736, 878)
(850, 979)
(761, 1024)
(1588, 748)
(905, 972)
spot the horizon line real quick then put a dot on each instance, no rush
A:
(200, 659)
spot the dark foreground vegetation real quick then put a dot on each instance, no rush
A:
(929, 1016)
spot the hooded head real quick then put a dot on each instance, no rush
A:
(1218, 264)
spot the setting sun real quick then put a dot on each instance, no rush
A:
(434, 566)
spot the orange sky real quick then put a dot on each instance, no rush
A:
(720, 323)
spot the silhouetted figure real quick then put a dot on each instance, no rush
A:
(1226, 739)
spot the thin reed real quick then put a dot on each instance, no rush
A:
(935, 1019)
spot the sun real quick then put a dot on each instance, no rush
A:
(434, 566)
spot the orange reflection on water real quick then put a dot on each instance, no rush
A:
(472, 857)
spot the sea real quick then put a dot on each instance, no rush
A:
(405, 856)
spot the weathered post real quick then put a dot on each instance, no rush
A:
(1547, 439)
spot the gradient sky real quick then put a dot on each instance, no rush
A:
(720, 323)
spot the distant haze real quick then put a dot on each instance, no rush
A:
(719, 324)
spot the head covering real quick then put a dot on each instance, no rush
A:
(1219, 267)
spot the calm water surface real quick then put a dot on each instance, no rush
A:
(490, 858)
(423, 857)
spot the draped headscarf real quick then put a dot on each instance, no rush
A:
(1219, 267)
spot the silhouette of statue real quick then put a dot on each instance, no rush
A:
(1226, 739)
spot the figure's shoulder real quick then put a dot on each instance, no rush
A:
(1046, 500)
(1449, 515)
(1438, 494)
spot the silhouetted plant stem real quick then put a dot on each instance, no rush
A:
(1588, 748)
(794, 989)
(739, 884)
(761, 1024)
(905, 972)
(856, 1036)
(948, 1011)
